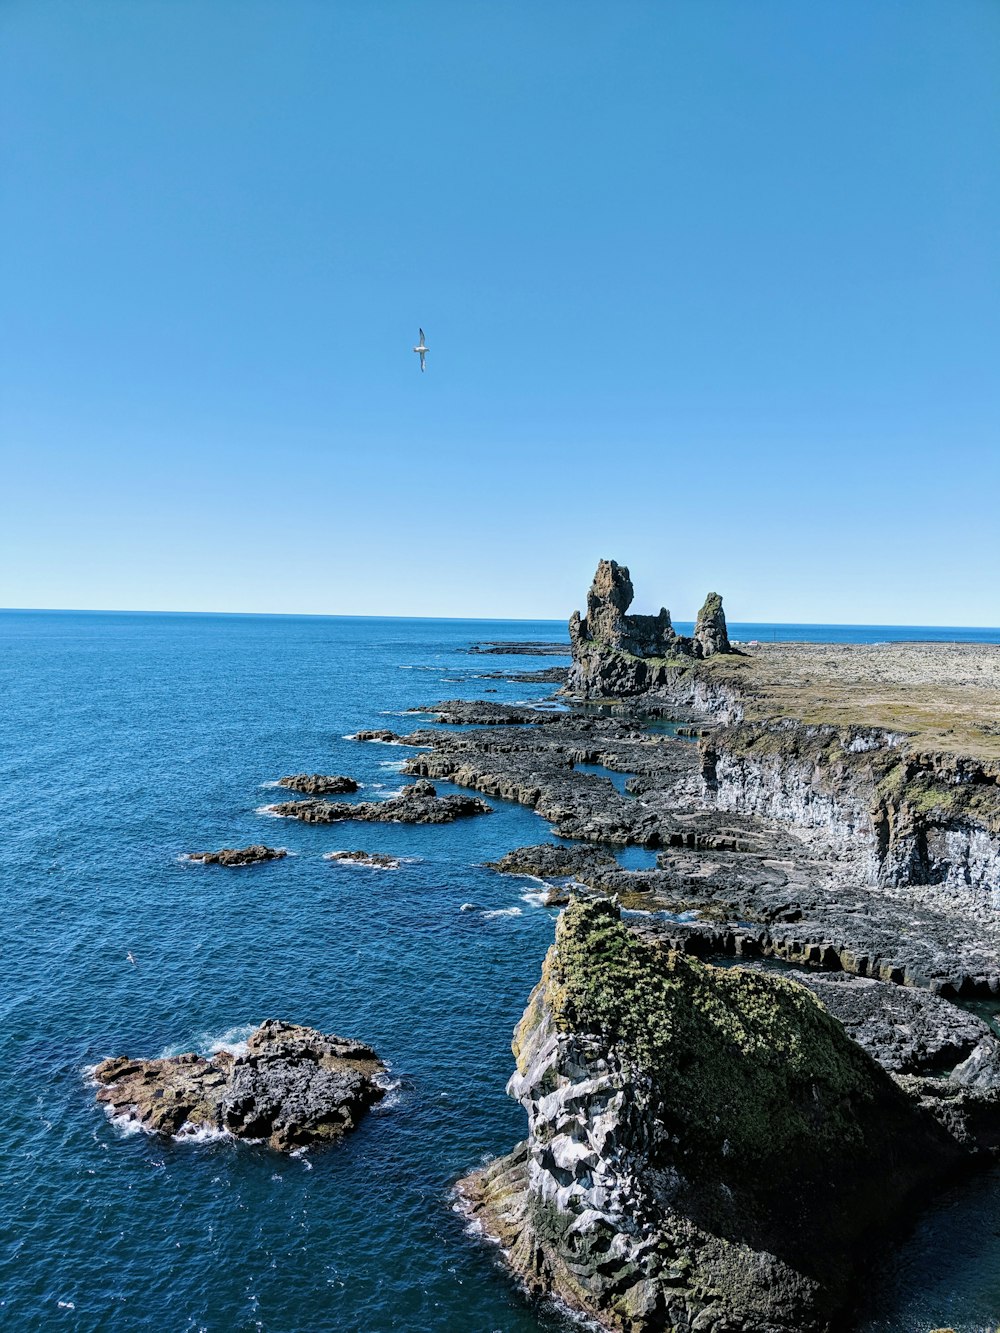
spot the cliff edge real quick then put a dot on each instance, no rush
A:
(707, 1149)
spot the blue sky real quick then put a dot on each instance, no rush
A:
(710, 287)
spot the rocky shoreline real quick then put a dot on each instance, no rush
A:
(747, 1063)
(858, 853)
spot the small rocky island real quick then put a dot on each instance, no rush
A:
(319, 784)
(292, 1087)
(370, 860)
(239, 856)
(418, 803)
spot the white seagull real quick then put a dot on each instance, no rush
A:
(422, 349)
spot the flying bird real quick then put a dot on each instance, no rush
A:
(422, 349)
(130, 958)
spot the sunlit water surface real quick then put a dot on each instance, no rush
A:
(129, 740)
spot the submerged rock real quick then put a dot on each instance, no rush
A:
(707, 1149)
(376, 860)
(239, 856)
(319, 784)
(293, 1086)
(417, 804)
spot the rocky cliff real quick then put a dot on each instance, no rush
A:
(706, 1150)
(619, 654)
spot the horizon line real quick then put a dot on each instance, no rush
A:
(514, 620)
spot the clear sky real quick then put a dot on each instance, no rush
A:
(711, 287)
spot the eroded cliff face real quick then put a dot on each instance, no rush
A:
(911, 817)
(918, 819)
(706, 1150)
(619, 654)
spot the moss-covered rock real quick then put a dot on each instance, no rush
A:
(706, 1149)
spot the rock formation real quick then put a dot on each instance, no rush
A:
(373, 860)
(319, 784)
(707, 1149)
(710, 633)
(293, 1086)
(617, 654)
(417, 804)
(239, 856)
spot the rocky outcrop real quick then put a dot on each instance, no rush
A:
(373, 860)
(319, 784)
(707, 1149)
(548, 860)
(710, 633)
(239, 856)
(616, 654)
(292, 1086)
(480, 713)
(417, 804)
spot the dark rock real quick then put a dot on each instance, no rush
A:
(548, 860)
(616, 655)
(416, 804)
(706, 1150)
(480, 713)
(239, 856)
(710, 633)
(293, 1086)
(375, 860)
(319, 784)
(521, 648)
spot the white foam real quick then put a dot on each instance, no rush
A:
(396, 765)
(341, 860)
(300, 1155)
(269, 811)
(65, 1305)
(502, 911)
(469, 907)
(189, 1133)
(391, 1088)
(274, 783)
(534, 898)
(232, 1039)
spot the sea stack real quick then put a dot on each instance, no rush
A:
(616, 654)
(707, 1149)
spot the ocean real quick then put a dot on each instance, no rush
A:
(132, 739)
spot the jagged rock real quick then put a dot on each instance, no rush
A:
(710, 633)
(319, 784)
(907, 1031)
(239, 856)
(480, 713)
(706, 1149)
(375, 860)
(615, 654)
(607, 624)
(293, 1086)
(520, 648)
(549, 860)
(417, 804)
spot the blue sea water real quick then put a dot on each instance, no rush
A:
(129, 740)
